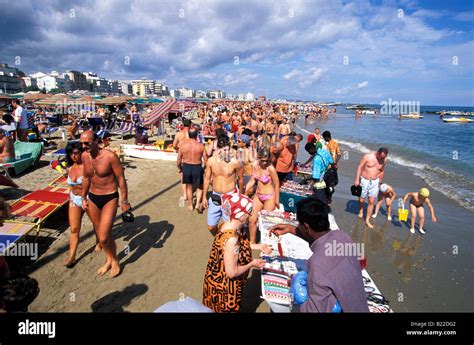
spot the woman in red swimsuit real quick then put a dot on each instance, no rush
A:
(268, 192)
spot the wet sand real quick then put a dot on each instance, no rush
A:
(164, 252)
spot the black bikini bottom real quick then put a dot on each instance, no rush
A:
(101, 200)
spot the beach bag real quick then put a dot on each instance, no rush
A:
(402, 214)
(331, 177)
(356, 191)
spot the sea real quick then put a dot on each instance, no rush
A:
(442, 154)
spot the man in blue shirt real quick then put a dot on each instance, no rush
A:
(321, 162)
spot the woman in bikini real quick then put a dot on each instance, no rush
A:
(268, 192)
(74, 180)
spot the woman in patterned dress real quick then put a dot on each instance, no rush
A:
(231, 257)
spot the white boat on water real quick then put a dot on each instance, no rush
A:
(457, 119)
(369, 112)
(149, 151)
(411, 116)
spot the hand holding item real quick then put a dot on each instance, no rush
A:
(126, 206)
(281, 229)
(266, 249)
(258, 263)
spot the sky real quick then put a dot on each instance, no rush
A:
(344, 51)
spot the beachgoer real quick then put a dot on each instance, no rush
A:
(180, 137)
(283, 129)
(267, 196)
(417, 201)
(75, 173)
(21, 119)
(190, 159)
(102, 174)
(230, 258)
(332, 147)
(7, 148)
(286, 151)
(331, 278)
(387, 194)
(370, 175)
(223, 172)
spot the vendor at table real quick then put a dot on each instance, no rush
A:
(331, 278)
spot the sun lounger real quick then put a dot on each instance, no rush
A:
(125, 128)
(10, 233)
(29, 154)
(36, 207)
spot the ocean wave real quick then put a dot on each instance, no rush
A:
(453, 185)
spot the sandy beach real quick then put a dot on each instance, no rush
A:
(164, 252)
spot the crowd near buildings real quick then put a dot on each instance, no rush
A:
(13, 80)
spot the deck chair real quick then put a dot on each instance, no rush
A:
(36, 207)
(106, 129)
(28, 154)
(125, 128)
(11, 233)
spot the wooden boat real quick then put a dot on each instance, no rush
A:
(457, 119)
(411, 116)
(149, 151)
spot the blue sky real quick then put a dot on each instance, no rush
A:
(361, 51)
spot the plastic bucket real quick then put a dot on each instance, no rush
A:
(402, 214)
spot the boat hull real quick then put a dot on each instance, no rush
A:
(148, 152)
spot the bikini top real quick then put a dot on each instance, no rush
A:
(72, 183)
(264, 178)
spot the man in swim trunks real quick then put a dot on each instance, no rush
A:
(181, 136)
(417, 200)
(223, 171)
(369, 175)
(283, 129)
(102, 174)
(246, 155)
(7, 148)
(190, 157)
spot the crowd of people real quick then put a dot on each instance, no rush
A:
(232, 163)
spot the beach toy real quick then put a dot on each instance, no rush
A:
(160, 143)
(59, 166)
(403, 214)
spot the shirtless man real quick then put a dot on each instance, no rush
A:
(7, 148)
(223, 171)
(388, 194)
(246, 154)
(102, 174)
(178, 139)
(190, 157)
(369, 175)
(284, 129)
(417, 200)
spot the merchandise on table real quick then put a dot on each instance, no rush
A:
(304, 169)
(275, 288)
(296, 188)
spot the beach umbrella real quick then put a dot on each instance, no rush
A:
(159, 111)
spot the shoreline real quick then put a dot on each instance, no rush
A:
(168, 248)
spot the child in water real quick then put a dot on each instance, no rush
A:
(417, 206)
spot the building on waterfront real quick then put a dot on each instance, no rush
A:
(78, 80)
(125, 87)
(250, 96)
(10, 81)
(216, 94)
(143, 87)
(184, 92)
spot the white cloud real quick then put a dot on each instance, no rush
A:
(351, 88)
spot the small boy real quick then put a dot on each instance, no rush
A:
(417, 206)
(387, 193)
